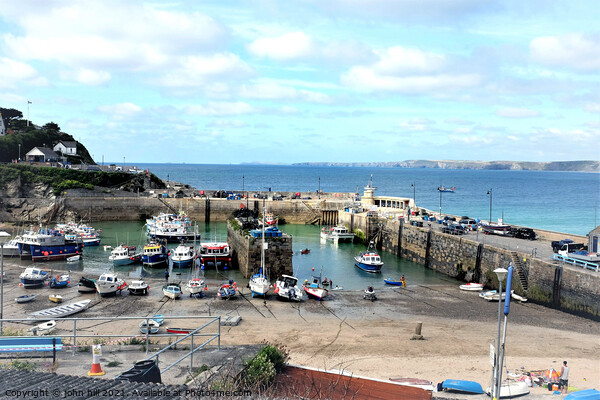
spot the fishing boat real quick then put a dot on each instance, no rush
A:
(155, 254)
(74, 258)
(391, 281)
(511, 389)
(472, 286)
(180, 331)
(270, 219)
(61, 311)
(259, 283)
(337, 233)
(25, 298)
(124, 255)
(495, 229)
(11, 248)
(315, 289)
(445, 189)
(195, 286)
(56, 298)
(60, 281)
(42, 329)
(86, 285)
(305, 251)
(369, 261)
(458, 385)
(286, 287)
(149, 326)
(109, 283)
(172, 228)
(216, 253)
(47, 245)
(227, 290)
(138, 287)
(172, 290)
(33, 277)
(183, 256)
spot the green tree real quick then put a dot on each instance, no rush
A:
(9, 115)
(52, 127)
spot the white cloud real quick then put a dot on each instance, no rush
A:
(417, 124)
(289, 46)
(221, 109)
(405, 70)
(87, 76)
(516, 112)
(575, 51)
(123, 109)
(592, 107)
(269, 90)
(13, 72)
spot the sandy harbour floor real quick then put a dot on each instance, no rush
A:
(371, 339)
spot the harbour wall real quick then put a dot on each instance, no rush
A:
(564, 287)
(246, 252)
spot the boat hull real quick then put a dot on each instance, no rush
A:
(473, 287)
(182, 263)
(373, 268)
(31, 283)
(25, 299)
(392, 282)
(179, 331)
(316, 293)
(462, 386)
(60, 311)
(155, 261)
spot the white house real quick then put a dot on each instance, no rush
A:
(2, 127)
(41, 154)
(66, 148)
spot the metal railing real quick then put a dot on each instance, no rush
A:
(575, 261)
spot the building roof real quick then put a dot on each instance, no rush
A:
(49, 153)
(46, 385)
(68, 144)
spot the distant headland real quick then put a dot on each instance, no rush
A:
(567, 166)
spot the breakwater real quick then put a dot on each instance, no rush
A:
(564, 287)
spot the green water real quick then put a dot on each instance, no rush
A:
(335, 261)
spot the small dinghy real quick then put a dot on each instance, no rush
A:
(159, 319)
(305, 251)
(74, 258)
(414, 382)
(473, 287)
(153, 325)
(511, 389)
(56, 298)
(390, 281)
(42, 329)
(60, 311)
(25, 298)
(180, 331)
(86, 285)
(227, 290)
(458, 385)
(517, 297)
(172, 290)
(60, 281)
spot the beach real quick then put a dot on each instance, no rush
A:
(345, 332)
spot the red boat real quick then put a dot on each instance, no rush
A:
(305, 251)
(180, 331)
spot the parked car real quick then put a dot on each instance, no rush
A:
(468, 223)
(417, 223)
(523, 233)
(453, 230)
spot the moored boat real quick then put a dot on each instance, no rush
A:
(138, 287)
(172, 290)
(286, 286)
(183, 256)
(511, 389)
(11, 248)
(180, 331)
(25, 298)
(124, 255)
(149, 326)
(42, 329)
(61, 311)
(33, 277)
(305, 251)
(47, 245)
(74, 258)
(155, 254)
(369, 261)
(60, 281)
(56, 298)
(337, 233)
(472, 286)
(109, 283)
(315, 289)
(445, 189)
(391, 281)
(216, 253)
(195, 286)
(227, 290)
(86, 285)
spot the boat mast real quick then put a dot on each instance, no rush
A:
(262, 247)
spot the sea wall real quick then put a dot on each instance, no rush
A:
(565, 287)
(246, 253)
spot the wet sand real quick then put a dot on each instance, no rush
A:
(371, 339)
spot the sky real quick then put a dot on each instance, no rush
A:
(274, 81)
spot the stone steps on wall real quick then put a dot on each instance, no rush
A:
(521, 270)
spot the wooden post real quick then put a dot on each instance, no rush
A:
(417, 335)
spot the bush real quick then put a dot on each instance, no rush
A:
(259, 372)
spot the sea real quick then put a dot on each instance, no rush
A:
(559, 201)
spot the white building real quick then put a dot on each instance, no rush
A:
(66, 148)
(41, 154)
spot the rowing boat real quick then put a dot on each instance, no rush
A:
(60, 311)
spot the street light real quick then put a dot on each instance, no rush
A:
(19, 151)
(319, 187)
(490, 193)
(413, 185)
(3, 239)
(501, 274)
(440, 202)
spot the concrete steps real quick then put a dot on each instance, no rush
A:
(522, 272)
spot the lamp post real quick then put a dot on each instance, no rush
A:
(319, 187)
(440, 203)
(19, 151)
(490, 193)
(3, 239)
(501, 274)
(413, 185)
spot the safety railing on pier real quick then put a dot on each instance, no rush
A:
(575, 261)
(206, 337)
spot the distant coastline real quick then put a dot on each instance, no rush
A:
(566, 166)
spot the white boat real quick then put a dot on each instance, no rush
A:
(138, 287)
(195, 286)
(42, 329)
(11, 248)
(315, 289)
(183, 256)
(74, 258)
(287, 287)
(369, 260)
(172, 290)
(60, 311)
(216, 253)
(337, 233)
(33, 277)
(123, 255)
(494, 296)
(517, 297)
(259, 283)
(511, 389)
(109, 283)
(25, 298)
(473, 287)
(151, 324)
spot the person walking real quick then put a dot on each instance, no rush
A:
(403, 281)
(167, 275)
(564, 378)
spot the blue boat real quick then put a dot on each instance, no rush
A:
(60, 281)
(369, 260)
(462, 386)
(47, 245)
(159, 319)
(390, 281)
(33, 277)
(155, 254)
(589, 394)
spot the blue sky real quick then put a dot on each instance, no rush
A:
(309, 80)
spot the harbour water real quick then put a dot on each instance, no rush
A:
(334, 262)
(559, 201)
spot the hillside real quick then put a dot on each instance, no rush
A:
(567, 166)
